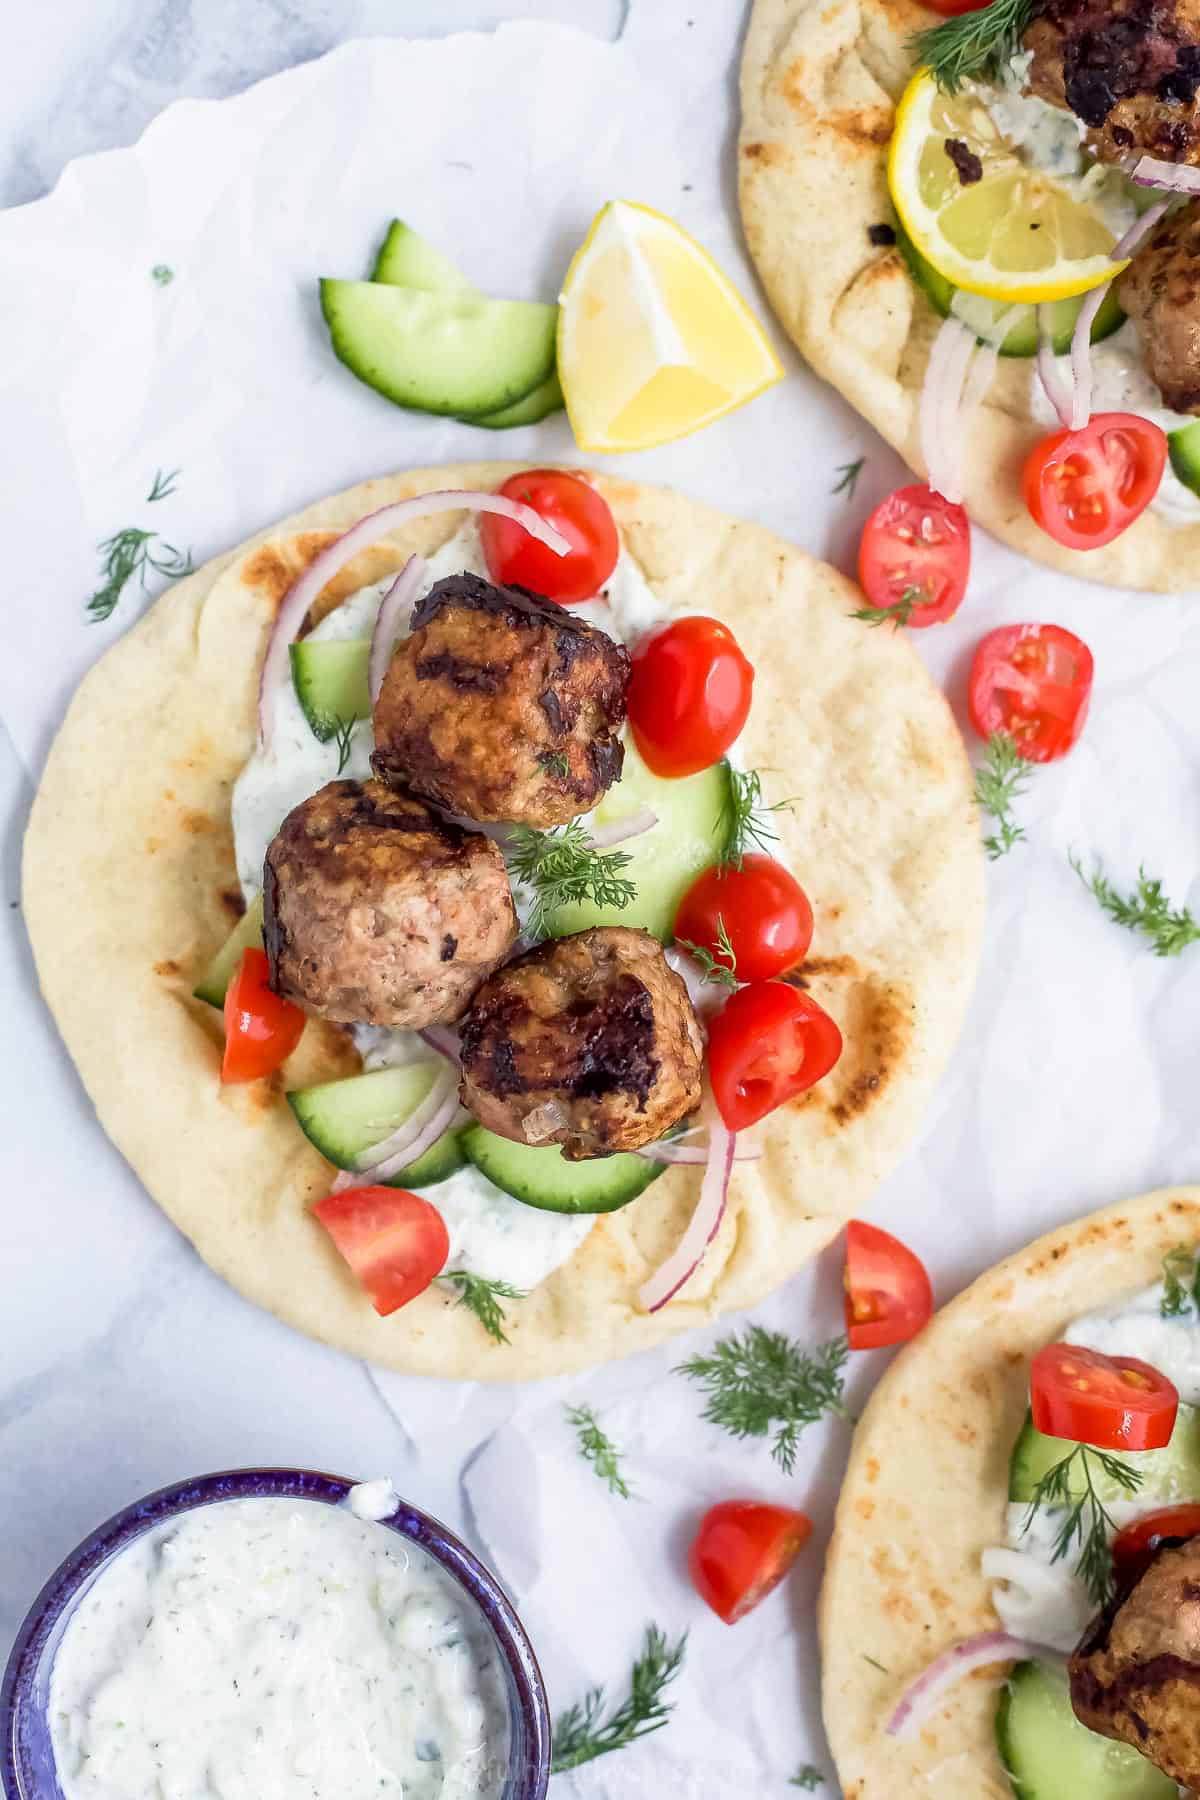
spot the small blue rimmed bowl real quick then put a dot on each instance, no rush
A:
(27, 1769)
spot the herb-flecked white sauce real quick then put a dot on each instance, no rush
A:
(277, 1649)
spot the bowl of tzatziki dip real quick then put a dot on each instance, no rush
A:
(273, 1634)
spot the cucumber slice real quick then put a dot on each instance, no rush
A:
(1049, 1755)
(1184, 447)
(544, 400)
(692, 833)
(330, 679)
(440, 353)
(408, 260)
(345, 1118)
(246, 935)
(979, 314)
(1170, 1474)
(545, 1179)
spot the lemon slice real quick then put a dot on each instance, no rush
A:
(1007, 231)
(653, 340)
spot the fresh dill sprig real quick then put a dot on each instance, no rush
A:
(598, 1449)
(580, 1735)
(562, 867)
(482, 1297)
(162, 274)
(1087, 1522)
(723, 974)
(163, 487)
(126, 554)
(343, 732)
(554, 763)
(999, 780)
(848, 474)
(1181, 1284)
(896, 615)
(808, 1778)
(974, 46)
(746, 818)
(763, 1381)
(1147, 910)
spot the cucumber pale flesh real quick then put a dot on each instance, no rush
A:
(1049, 1755)
(545, 1179)
(246, 935)
(345, 1119)
(1168, 1475)
(330, 679)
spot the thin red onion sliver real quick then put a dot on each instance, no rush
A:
(1081, 338)
(423, 1127)
(941, 404)
(399, 596)
(361, 536)
(947, 1670)
(1173, 178)
(444, 1039)
(605, 836)
(705, 1221)
(671, 1151)
(1047, 368)
(1141, 228)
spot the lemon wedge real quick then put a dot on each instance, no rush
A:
(986, 220)
(653, 340)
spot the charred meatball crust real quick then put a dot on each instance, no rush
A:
(1136, 1675)
(502, 706)
(1129, 69)
(377, 912)
(1161, 290)
(587, 1041)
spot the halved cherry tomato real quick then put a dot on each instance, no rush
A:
(1084, 488)
(888, 1293)
(767, 1044)
(573, 507)
(1035, 683)
(742, 1550)
(689, 695)
(395, 1242)
(764, 912)
(916, 542)
(1135, 1547)
(261, 1030)
(1113, 1402)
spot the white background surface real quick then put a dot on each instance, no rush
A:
(123, 1363)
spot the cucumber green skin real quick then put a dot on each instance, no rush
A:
(1022, 339)
(450, 354)
(1048, 1755)
(330, 679)
(693, 830)
(544, 400)
(343, 1119)
(1168, 1475)
(246, 935)
(1184, 448)
(545, 1179)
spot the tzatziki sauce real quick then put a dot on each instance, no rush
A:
(278, 1649)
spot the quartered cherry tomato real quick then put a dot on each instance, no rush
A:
(1113, 1402)
(573, 507)
(762, 909)
(742, 1550)
(1135, 1547)
(395, 1242)
(1035, 683)
(888, 1293)
(1084, 488)
(767, 1044)
(689, 695)
(916, 543)
(261, 1030)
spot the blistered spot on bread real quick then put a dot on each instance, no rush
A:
(197, 824)
(877, 1022)
(271, 570)
(231, 902)
(166, 968)
(768, 156)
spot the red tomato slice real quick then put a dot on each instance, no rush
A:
(888, 1293)
(1035, 683)
(1084, 488)
(261, 1030)
(742, 1550)
(1113, 1402)
(767, 1044)
(689, 695)
(573, 507)
(1135, 1548)
(395, 1242)
(915, 541)
(763, 909)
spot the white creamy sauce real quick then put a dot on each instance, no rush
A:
(277, 1649)
(491, 1234)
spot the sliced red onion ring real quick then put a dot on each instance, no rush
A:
(705, 1222)
(423, 1127)
(1047, 368)
(1141, 228)
(941, 402)
(1081, 339)
(947, 1670)
(1173, 178)
(392, 609)
(368, 531)
(444, 1039)
(707, 997)
(605, 836)
(672, 1150)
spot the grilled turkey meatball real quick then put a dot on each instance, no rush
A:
(1136, 1675)
(1129, 69)
(1161, 290)
(589, 1042)
(375, 911)
(502, 706)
